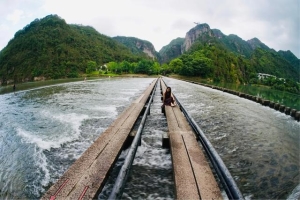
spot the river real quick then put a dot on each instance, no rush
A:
(44, 130)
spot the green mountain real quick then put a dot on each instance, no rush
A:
(291, 58)
(51, 48)
(138, 46)
(171, 51)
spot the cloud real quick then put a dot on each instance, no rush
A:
(15, 16)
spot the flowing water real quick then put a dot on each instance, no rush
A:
(44, 130)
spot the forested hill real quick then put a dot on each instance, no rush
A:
(51, 48)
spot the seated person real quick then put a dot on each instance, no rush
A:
(168, 99)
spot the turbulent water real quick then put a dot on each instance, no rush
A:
(43, 131)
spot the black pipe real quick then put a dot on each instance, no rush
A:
(223, 173)
(117, 190)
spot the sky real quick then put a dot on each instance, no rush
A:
(276, 23)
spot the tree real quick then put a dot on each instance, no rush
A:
(125, 66)
(176, 65)
(144, 67)
(112, 66)
(91, 67)
(156, 68)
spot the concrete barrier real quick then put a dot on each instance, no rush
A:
(293, 112)
(259, 100)
(276, 106)
(241, 94)
(287, 111)
(297, 115)
(281, 108)
(266, 102)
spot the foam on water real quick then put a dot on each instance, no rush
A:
(72, 121)
(28, 137)
(222, 136)
(158, 159)
(295, 193)
(110, 111)
(130, 92)
(150, 153)
(42, 170)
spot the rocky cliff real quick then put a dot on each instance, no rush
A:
(138, 46)
(200, 31)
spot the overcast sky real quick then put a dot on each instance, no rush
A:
(273, 22)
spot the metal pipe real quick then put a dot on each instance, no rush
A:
(223, 173)
(117, 190)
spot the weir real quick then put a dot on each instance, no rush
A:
(193, 176)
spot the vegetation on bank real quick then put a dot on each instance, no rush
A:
(214, 62)
(279, 84)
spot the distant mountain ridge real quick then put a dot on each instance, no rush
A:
(281, 63)
(138, 46)
(234, 43)
(49, 47)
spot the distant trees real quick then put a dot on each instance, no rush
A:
(281, 84)
(177, 65)
(91, 66)
(141, 67)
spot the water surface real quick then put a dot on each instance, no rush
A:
(44, 130)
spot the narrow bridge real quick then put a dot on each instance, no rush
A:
(193, 176)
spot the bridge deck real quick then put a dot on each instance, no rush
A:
(192, 174)
(86, 176)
